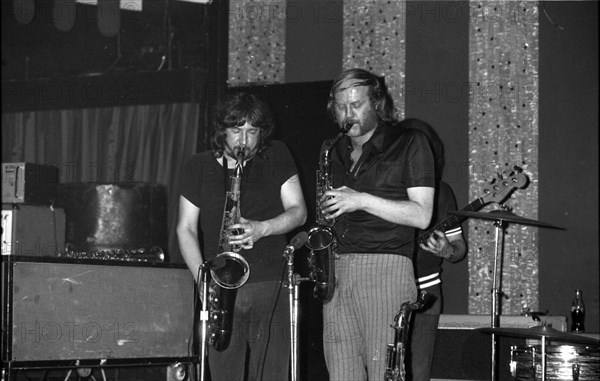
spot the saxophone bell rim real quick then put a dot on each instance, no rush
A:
(318, 230)
(236, 258)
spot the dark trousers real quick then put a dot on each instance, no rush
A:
(260, 343)
(422, 337)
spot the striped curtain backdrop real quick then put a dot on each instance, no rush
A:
(503, 110)
(374, 39)
(256, 42)
(503, 133)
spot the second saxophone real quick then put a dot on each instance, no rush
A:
(396, 351)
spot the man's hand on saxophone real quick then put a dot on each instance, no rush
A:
(338, 201)
(251, 232)
(415, 211)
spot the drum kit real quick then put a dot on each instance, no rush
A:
(560, 362)
(578, 361)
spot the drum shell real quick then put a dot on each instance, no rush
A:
(561, 362)
(128, 216)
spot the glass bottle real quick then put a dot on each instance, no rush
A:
(577, 312)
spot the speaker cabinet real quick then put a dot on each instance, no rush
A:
(32, 230)
(58, 312)
(174, 372)
(29, 183)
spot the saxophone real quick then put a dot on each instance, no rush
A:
(396, 352)
(226, 279)
(321, 238)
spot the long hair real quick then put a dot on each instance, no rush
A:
(378, 93)
(237, 110)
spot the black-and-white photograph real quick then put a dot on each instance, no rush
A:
(300, 190)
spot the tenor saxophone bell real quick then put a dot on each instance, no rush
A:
(320, 237)
(321, 240)
(228, 279)
(234, 273)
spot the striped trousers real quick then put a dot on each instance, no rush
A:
(370, 288)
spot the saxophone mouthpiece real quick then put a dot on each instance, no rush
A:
(346, 127)
(241, 154)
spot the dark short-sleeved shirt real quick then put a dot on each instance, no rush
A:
(393, 160)
(202, 183)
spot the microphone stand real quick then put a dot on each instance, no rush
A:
(203, 321)
(497, 293)
(293, 280)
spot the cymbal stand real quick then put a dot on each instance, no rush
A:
(496, 292)
(499, 217)
(203, 322)
(543, 358)
(292, 284)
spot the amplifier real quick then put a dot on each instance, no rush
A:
(32, 230)
(29, 183)
(65, 312)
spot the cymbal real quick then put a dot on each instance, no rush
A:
(502, 215)
(540, 331)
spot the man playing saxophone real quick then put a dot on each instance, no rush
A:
(271, 204)
(383, 188)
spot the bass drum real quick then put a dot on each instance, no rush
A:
(563, 362)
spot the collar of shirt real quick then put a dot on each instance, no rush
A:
(385, 134)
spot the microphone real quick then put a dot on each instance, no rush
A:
(297, 242)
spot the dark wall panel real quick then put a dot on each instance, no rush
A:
(313, 39)
(568, 156)
(437, 76)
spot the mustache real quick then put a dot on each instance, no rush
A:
(246, 152)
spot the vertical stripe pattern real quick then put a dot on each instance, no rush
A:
(503, 132)
(374, 39)
(256, 41)
(370, 289)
